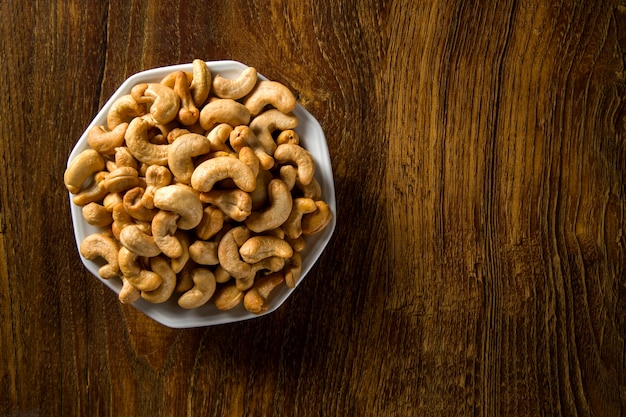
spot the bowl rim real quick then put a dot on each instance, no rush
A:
(168, 313)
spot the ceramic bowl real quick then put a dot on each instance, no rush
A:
(169, 313)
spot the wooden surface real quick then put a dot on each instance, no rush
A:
(477, 267)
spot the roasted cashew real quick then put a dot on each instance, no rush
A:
(312, 190)
(202, 291)
(270, 93)
(258, 248)
(201, 82)
(168, 281)
(221, 275)
(141, 148)
(128, 293)
(133, 205)
(184, 281)
(142, 279)
(93, 193)
(121, 179)
(125, 158)
(296, 154)
(316, 221)
(136, 241)
(188, 113)
(82, 167)
(163, 101)
(288, 136)
(99, 245)
(211, 223)
(111, 200)
(270, 264)
(243, 136)
(123, 110)
(204, 252)
(278, 211)
(228, 252)
(163, 230)
(235, 88)
(235, 203)
(293, 270)
(180, 199)
(227, 297)
(267, 122)
(157, 176)
(181, 152)
(288, 173)
(218, 137)
(97, 215)
(104, 140)
(181, 262)
(255, 299)
(223, 110)
(293, 224)
(219, 168)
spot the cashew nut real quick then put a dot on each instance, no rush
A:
(211, 223)
(142, 279)
(168, 281)
(293, 270)
(135, 240)
(243, 136)
(93, 193)
(316, 221)
(223, 110)
(227, 297)
(188, 113)
(180, 199)
(219, 168)
(128, 293)
(121, 179)
(203, 289)
(278, 211)
(97, 215)
(270, 93)
(293, 224)
(99, 245)
(270, 264)
(157, 176)
(296, 154)
(288, 136)
(163, 230)
(123, 110)
(256, 298)
(204, 252)
(133, 205)
(267, 122)
(163, 101)
(235, 203)
(181, 152)
(200, 82)
(235, 88)
(218, 137)
(181, 262)
(228, 252)
(104, 140)
(82, 167)
(141, 148)
(258, 248)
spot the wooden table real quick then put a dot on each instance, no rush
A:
(477, 267)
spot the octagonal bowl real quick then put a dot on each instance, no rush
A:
(169, 313)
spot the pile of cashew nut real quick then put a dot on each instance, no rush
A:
(201, 189)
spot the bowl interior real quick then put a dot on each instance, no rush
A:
(169, 313)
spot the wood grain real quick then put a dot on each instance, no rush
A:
(477, 267)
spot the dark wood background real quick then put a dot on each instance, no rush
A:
(478, 264)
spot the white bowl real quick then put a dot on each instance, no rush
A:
(169, 313)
